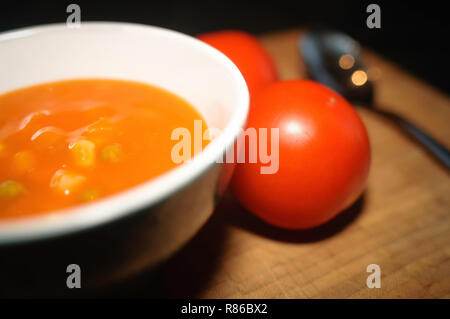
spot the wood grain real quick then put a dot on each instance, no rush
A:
(401, 223)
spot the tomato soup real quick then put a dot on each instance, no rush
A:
(71, 142)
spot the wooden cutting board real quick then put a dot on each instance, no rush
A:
(402, 222)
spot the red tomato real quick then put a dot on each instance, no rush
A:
(247, 54)
(324, 156)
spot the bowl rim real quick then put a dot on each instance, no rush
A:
(126, 203)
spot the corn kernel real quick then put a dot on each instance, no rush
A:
(83, 153)
(23, 162)
(112, 153)
(11, 189)
(66, 182)
(89, 195)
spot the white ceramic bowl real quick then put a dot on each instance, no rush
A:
(174, 205)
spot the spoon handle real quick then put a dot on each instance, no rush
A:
(433, 146)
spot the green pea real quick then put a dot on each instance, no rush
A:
(112, 153)
(10, 189)
(89, 195)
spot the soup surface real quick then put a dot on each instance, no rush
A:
(71, 142)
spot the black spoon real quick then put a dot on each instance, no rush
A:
(332, 58)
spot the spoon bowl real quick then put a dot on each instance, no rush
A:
(333, 59)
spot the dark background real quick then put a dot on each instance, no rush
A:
(412, 34)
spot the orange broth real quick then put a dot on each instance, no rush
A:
(71, 142)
